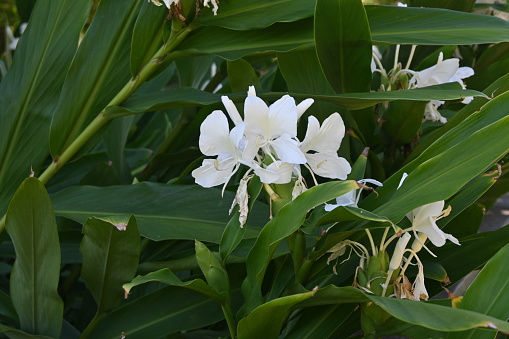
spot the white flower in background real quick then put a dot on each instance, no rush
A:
(215, 5)
(351, 198)
(443, 72)
(400, 4)
(324, 142)
(424, 220)
(216, 139)
(168, 3)
(376, 54)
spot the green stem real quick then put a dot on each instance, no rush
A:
(303, 272)
(230, 319)
(297, 242)
(86, 333)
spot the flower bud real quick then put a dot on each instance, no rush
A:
(397, 256)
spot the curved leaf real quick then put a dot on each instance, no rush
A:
(286, 221)
(166, 276)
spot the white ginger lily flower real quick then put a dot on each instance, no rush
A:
(351, 198)
(424, 220)
(216, 139)
(444, 71)
(274, 128)
(400, 4)
(324, 141)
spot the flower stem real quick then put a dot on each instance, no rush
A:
(373, 247)
(230, 319)
(86, 333)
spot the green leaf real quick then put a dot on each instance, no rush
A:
(465, 6)
(110, 258)
(402, 121)
(162, 211)
(115, 139)
(166, 276)
(455, 159)
(344, 47)
(168, 310)
(269, 317)
(246, 14)
(31, 88)
(188, 97)
(433, 26)
(420, 313)
(13, 333)
(488, 293)
(147, 35)
(99, 71)
(242, 75)
(34, 278)
(323, 322)
(286, 221)
(497, 88)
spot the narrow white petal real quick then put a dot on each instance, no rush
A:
(303, 106)
(434, 210)
(397, 255)
(232, 110)
(403, 177)
(371, 181)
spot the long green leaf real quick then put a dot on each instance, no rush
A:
(247, 14)
(34, 278)
(162, 211)
(168, 310)
(269, 317)
(388, 24)
(420, 313)
(286, 221)
(188, 97)
(344, 47)
(13, 333)
(434, 26)
(99, 71)
(110, 258)
(488, 293)
(30, 90)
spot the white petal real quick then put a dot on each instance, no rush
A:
(329, 165)
(420, 292)
(214, 135)
(287, 150)
(283, 118)
(429, 210)
(276, 173)
(324, 139)
(347, 199)
(208, 175)
(431, 113)
(371, 181)
(232, 110)
(256, 116)
(429, 227)
(467, 100)
(303, 106)
(251, 91)
(403, 177)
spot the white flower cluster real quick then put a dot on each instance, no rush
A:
(266, 142)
